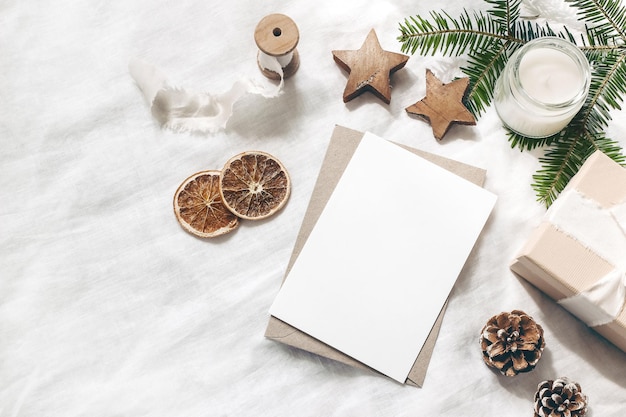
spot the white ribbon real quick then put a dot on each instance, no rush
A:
(602, 231)
(182, 110)
(269, 62)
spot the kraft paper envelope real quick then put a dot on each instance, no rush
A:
(342, 145)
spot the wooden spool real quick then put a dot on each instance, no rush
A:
(277, 35)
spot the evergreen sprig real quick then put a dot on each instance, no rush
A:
(489, 38)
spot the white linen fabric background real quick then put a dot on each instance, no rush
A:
(108, 308)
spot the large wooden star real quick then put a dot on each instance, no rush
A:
(443, 104)
(370, 69)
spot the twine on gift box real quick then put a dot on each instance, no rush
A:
(179, 109)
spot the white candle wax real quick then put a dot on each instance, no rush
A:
(542, 88)
(550, 76)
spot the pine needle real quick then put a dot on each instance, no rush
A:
(489, 38)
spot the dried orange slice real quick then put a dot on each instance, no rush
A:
(254, 185)
(199, 207)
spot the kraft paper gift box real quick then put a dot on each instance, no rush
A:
(577, 255)
(342, 145)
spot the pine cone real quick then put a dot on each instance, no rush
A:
(512, 342)
(560, 398)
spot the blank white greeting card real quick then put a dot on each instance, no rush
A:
(378, 267)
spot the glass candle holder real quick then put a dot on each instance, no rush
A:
(542, 87)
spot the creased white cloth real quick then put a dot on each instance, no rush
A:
(597, 229)
(109, 308)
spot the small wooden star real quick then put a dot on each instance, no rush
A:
(443, 104)
(370, 69)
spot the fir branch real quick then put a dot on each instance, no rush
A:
(488, 40)
(505, 14)
(557, 168)
(526, 144)
(572, 146)
(483, 70)
(607, 15)
(527, 31)
(608, 84)
(445, 34)
(564, 158)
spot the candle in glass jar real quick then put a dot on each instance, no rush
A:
(542, 87)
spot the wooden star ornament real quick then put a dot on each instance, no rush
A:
(443, 104)
(370, 69)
